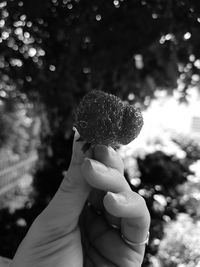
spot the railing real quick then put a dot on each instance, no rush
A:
(15, 171)
(8, 161)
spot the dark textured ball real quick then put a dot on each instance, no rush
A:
(103, 118)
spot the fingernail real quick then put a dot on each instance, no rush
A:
(111, 150)
(76, 134)
(118, 197)
(98, 166)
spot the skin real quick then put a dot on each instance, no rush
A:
(54, 239)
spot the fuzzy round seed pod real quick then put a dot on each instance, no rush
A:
(103, 118)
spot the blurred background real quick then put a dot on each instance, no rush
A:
(52, 52)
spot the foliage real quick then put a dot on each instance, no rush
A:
(190, 146)
(160, 169)
(181, 244)
(191, 192)
(55, 51)
(159, 176)
(65, 47)
(9, 239)
(17, 127)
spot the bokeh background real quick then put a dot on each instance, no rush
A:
(147, 52)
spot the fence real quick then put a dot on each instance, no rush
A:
(15, 170)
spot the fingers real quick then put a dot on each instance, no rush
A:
(110, 246)
(109, 157)
(131, 207)
(103, 177)
(77, 153)
(105, 173)
(108, 243)
(97, 259)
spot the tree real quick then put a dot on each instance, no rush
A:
(55, 51)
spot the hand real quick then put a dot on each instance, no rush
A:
(54, 239)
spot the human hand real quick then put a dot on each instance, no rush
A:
(54, 239)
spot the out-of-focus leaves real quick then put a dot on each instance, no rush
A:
(190, 146)
(161, 176)
(73, 46)
(181, 244)
(18, 132)
(160, 169)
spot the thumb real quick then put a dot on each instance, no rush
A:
(64, 209)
